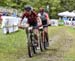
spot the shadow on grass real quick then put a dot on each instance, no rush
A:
(12, 33)
(48, 52)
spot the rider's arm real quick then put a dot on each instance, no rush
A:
(39, 21)
(48, 19)
(21, 19)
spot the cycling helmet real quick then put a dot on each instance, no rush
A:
(28, 8)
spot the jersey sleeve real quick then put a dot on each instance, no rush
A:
(47, 15)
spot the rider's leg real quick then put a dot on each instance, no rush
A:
(36, 34)
(46, 33)
(46, 36)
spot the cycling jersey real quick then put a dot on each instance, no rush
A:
(32, 18)
(43, 17)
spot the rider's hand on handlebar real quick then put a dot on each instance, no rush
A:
(49, 24)
(26, 25)
(22, 26)
(19, 25)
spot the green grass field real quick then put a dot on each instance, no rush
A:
(13, 47)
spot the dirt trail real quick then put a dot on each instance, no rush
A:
(60, 44)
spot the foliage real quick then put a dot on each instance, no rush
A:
(55, 5)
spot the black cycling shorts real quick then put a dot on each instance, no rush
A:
(33, 24)
(44, 23)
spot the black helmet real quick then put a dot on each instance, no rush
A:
(28, 8)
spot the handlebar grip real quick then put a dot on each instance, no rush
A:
(30, 28)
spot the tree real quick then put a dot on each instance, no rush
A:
(55, 6)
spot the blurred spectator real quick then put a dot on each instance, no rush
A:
(14, 14)
(5, 13)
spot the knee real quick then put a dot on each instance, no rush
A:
(36, 32)
(46, 30)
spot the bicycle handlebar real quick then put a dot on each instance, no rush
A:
(38, 27)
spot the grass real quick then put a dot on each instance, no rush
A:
(13, 46)
(70, 55)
